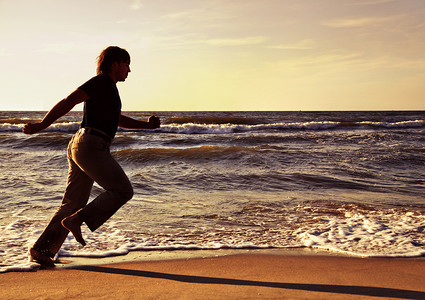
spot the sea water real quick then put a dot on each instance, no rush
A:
(348, 182)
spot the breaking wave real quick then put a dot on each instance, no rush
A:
(214, 125)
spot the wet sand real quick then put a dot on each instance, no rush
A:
(252, 275)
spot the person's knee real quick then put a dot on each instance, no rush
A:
(69, 207)
(121, 194)
(127, 194)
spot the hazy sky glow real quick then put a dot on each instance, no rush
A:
(219, 54)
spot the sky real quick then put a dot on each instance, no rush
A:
(278, 55)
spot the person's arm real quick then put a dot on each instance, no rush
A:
(130, 123)
(59, 110)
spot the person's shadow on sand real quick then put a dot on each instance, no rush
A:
(328, 288)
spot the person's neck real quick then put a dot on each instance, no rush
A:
(112, 76)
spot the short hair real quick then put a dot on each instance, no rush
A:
(110, 55)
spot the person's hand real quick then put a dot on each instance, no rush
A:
(31, 128)
(154, 122)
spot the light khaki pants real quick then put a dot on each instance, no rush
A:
(89, 161)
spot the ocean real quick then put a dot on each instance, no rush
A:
(346, 182)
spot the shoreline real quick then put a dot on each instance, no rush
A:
(139, 256)
(250, 275)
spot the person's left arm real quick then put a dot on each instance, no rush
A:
(130, 123)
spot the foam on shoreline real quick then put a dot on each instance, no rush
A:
(169, 255)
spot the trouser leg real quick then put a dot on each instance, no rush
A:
(89, 160)
(76, 195)
(97, 162)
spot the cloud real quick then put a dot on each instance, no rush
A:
(191, 14)
(191, 41)
(372, 2)
(237, 41)
(4, 52)
(339, 65)
(321, 61)
(305, 44)
(58, 47)
(354, 22)
(136, 5)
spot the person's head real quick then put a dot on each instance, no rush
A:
(109, 56)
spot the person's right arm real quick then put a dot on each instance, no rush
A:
(60, 109)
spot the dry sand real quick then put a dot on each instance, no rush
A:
(243, 276)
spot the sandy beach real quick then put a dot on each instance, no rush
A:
(240, 276)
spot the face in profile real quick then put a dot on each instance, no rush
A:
(122, 71)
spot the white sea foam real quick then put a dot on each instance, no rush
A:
(192, 128)
(55, 127)
(196, 128)
(384, 233)
(14, 243)
(403, 124)
(373, 234)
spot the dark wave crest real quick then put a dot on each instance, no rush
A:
(203, 153)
